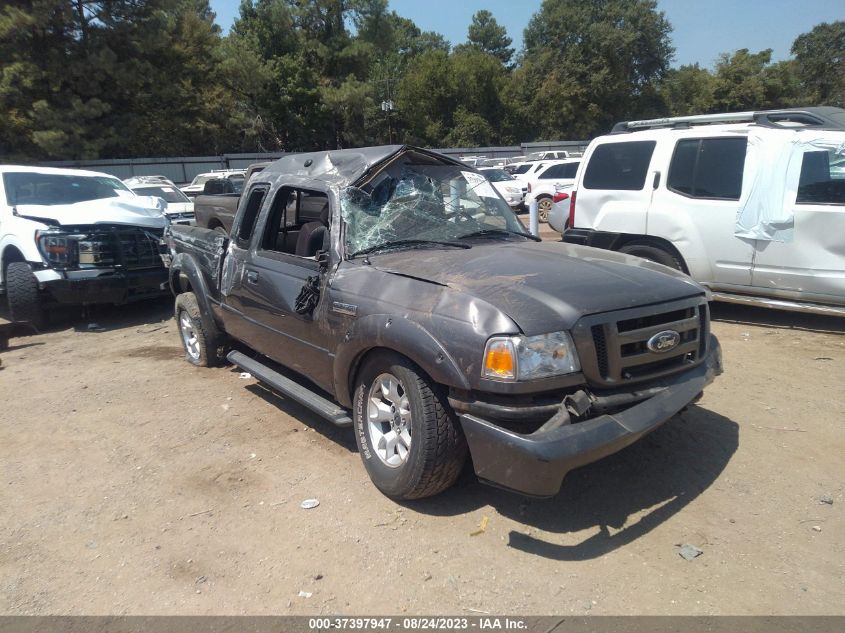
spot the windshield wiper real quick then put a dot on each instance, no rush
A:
(499, 232)
(399, 243)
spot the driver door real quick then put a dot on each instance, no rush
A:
(279, 265)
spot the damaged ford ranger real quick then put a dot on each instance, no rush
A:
(392, 290)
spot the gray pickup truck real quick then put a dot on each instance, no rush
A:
(391, 289)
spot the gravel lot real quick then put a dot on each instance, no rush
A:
(134, 483)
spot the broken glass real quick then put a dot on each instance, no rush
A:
(423, 202)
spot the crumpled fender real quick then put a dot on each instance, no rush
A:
(186, 265)
(401, 335)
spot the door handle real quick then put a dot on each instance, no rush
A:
(252, 276)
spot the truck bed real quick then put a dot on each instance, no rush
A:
(216, 210)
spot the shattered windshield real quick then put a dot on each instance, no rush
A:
(423, 203)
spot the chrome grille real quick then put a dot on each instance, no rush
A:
(613, 346)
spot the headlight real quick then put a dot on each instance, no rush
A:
(60, 250)
(529, 358)
(512, 190)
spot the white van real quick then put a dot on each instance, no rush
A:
(751, 205)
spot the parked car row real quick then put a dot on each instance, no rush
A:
(179, 209)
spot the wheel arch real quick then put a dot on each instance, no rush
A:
(185, 276)
(625, 239)
(11, 253)
(384, 333)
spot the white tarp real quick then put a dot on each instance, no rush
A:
(772, 174)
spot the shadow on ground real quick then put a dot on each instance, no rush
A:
(341, 436)
(105, 317)
(768, 317)
(621, 497)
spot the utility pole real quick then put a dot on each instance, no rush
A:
(388, 106)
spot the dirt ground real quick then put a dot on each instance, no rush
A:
(134, 483)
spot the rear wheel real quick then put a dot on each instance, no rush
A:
(411, 444)
(25, 302)
(654, 253)
(544, 207)
(202, 348)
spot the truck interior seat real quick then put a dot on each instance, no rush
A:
(312, 234)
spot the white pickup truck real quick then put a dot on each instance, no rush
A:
(75, 237)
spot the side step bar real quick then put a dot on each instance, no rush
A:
(780, 304)
(304, 396)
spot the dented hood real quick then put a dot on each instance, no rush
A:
(135, 211)
(543, 287)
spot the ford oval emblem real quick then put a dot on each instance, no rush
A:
(664, 341)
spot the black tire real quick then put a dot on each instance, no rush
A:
(438, 447)
(654, 253)
(25, 302)
(207, 350)
(544, 207)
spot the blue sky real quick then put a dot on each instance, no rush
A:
(701, 28)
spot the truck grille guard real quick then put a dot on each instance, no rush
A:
(614, 346)
(130, 248)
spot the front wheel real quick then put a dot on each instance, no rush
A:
(411, 444)
(25, 303)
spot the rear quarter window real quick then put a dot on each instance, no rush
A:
(619, 165)
(708, 168)
(822, 178)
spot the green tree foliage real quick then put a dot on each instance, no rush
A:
(488, 36)
(747, 81)
(88, 79)
(453, 100)
(688, 90)
(589, 63)
(121, 78)
(820, 60)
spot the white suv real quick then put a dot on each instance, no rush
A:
(749, 204)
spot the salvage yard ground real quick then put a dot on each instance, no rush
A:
(134, 483)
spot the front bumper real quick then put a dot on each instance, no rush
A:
(536, 464)
(111, 286)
